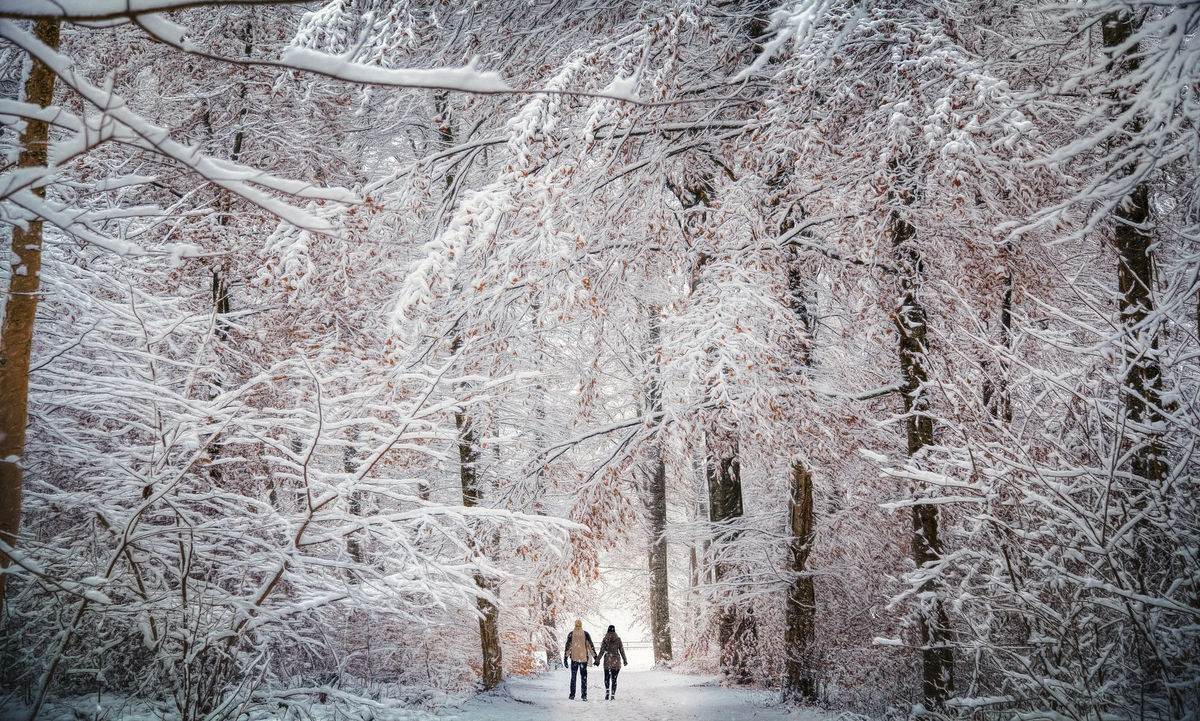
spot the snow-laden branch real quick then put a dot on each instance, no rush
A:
(467, 79)
(236, 178)
(102, 10)
(797, 21)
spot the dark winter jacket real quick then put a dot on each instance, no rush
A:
(610, 647)
(588, 651)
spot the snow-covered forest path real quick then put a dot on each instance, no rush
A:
(643, 695)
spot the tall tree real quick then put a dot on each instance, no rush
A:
(491, 653)
(937, 659)
(656, 504)
(799, 675)
(800, 608)
(20, 309)
(1135, 268)
(736, 627)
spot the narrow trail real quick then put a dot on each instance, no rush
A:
(648, 695)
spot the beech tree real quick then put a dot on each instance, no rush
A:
(20, 306)
(369, 335)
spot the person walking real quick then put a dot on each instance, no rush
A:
(610, 647)
(579, 651)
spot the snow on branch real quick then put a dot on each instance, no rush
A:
(342, 67)
(466, 79)
(101, 10)
(236, 178)
(795, 22)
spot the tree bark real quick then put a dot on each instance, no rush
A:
(800, 611)
(550, 633)
(1151, 555)
(543, 598)
(701, 547)
(489, 636)
(221, 307)
(937, 659)
(737, 632)
(489, 627)
(660, 608)
(656, 507)
(350, 466)
(16, 337)
(800, 615)
(995, 389)
(1135, 273)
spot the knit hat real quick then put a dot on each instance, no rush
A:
(578, 623)
(612, 629)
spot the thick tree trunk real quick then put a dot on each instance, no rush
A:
(1135, 273)
(737, 631)
(656, 507)
(800, 611)
(489, 636)
(16, 338)
(660, 608)
(800, 614)
(936, 655)
(1152, 555)
(489, 627)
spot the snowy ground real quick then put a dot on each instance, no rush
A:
(646, 694)
(643, 694)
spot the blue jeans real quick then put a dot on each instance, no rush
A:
(579, 667)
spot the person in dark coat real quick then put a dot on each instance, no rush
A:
(613, 653)
(579, 650)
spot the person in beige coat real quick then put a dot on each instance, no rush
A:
(579, 651)
(613, 653)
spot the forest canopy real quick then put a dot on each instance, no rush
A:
(347, 345)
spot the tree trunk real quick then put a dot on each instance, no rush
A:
(16, 338)
(737, 631)
(489, 636)
(550, 633)
(221, 307)
(936, 656)
(656, 506)
(995, 389)
(800, 612)
(544, 599)
(1152, 555)
(660, 608)
(799, 634)
(350, 466)
(700, 546)
(1135, 273)
(489, 627)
